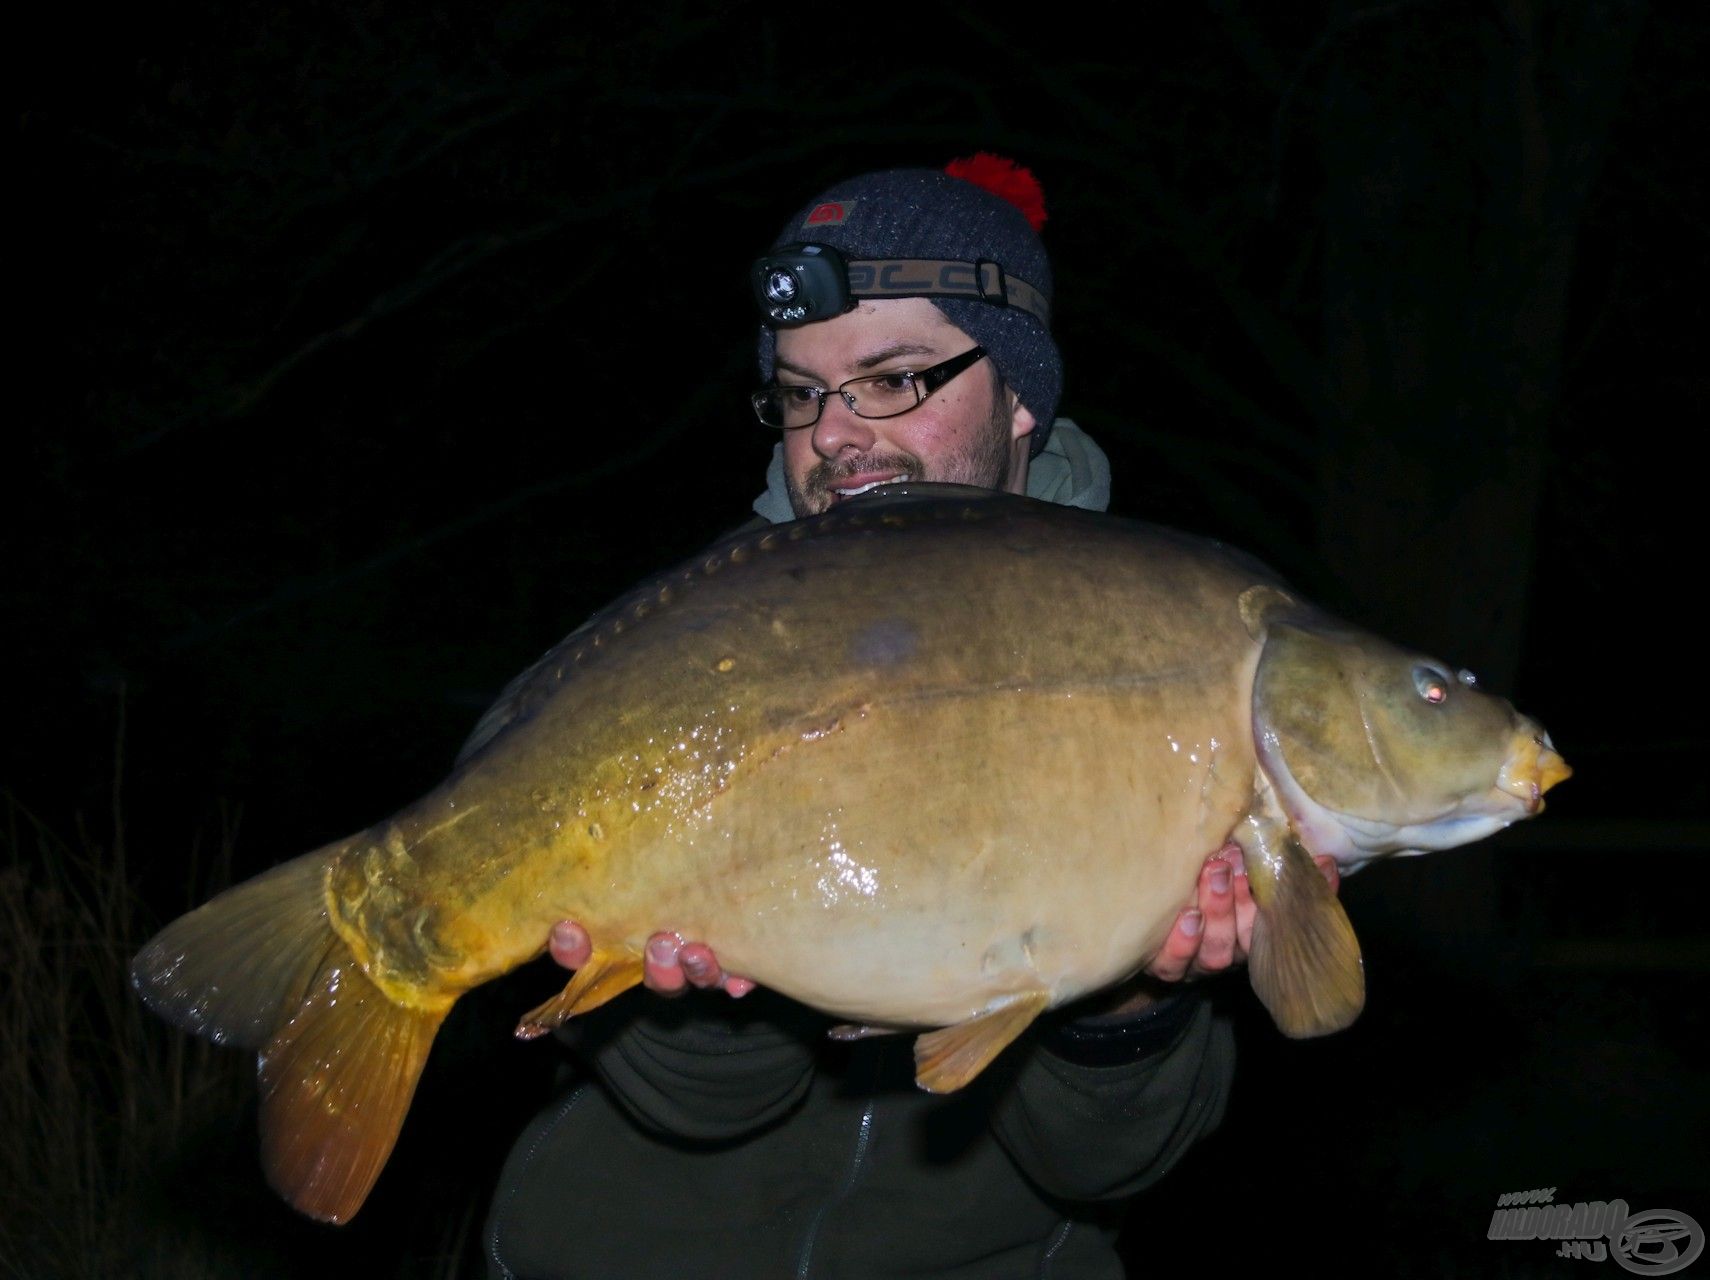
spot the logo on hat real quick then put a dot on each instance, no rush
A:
(829, 213)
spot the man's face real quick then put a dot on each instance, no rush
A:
(969, 431)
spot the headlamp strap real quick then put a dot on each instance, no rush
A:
(944, 278)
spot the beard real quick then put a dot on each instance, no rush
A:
(983, 462)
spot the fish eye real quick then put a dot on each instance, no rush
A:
(1433, 685)
(1467, 678)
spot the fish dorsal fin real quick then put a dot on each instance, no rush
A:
(509, 706)
(946, 1060)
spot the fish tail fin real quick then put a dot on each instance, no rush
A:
(235, 968)
(260, 967)
(336, 1082)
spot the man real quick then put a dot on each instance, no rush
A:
(734, 1140)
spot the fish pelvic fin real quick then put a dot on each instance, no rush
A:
(1304, 961)
(335, 1084)
(947, 1059)
(235, 968)
(606, 975)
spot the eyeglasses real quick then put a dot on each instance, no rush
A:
(883, 395)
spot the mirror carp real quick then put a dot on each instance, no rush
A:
(937, 760)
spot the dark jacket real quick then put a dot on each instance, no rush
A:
(716, 1138)
(709, 1138)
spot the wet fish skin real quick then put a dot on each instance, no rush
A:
(801, 714)
(935, 759)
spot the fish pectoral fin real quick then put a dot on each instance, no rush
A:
(858, 1031)
(607, 974)
(1305, 961)
(947, 1059)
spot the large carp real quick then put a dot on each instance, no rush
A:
(935, 759)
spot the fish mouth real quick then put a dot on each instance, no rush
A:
(854, 486)
(1532, 768)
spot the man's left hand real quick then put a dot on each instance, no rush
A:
(1217, 931)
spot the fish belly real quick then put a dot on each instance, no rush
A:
(930, 854)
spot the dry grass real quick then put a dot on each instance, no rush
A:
(129, 1146)
(93, 1089)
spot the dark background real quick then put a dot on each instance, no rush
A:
(365, 350)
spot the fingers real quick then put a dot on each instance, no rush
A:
(661, 971)
(1172, 961)
(671, 966)
(569, 944)
(1207, 937)
(1216, 896)
(702, 969)
(700, 966)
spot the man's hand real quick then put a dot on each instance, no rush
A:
(670, 966)
(1218, 931)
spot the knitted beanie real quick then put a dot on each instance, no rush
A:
(926, 213)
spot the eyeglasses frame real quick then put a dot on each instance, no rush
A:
(924, 381)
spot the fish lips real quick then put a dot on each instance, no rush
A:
(1532, 768)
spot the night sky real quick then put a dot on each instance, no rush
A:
(366, 350)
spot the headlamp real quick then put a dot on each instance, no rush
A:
(798, 284)
(801, 283)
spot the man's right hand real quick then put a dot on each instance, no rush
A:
(670, 966)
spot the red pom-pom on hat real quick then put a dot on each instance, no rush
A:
(1003, 177)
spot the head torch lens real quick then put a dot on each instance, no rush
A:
(781, 287)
